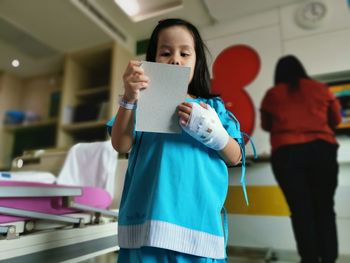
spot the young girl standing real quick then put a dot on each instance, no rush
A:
(176, 184)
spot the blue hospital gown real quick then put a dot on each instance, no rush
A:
(175, 189)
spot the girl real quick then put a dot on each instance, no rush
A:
(176, 184)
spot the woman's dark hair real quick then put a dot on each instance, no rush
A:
(289, 70)
(200, 84)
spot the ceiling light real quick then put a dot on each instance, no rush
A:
(15, 63)
(130, 7)
(139, 10)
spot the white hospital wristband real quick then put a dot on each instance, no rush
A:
(126, 105)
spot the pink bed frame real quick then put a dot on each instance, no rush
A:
(92, 196)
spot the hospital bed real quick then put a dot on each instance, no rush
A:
(41, 222)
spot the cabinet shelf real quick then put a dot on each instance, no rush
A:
(92, 79)
(92, 92)
(83, 126)
(34, 125)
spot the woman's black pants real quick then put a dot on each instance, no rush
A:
(308, 176)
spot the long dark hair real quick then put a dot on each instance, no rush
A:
(289, 70)
(200, 84)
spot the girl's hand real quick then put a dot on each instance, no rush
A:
(184, 111)
(134, 80)
(203, 124)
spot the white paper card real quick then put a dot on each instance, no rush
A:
(156, 106)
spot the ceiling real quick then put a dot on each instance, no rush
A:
(39, 32)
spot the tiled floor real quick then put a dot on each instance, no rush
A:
(112, 258)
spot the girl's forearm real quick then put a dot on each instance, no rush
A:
(231, 153)
(122, 130)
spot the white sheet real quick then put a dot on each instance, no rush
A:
(28, 176)
(90, 164)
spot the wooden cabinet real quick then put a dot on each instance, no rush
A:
(31, 96)
(89, 87)
(91, 84)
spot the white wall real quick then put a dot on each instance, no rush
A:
(275, 232)
(323, 50)
(275, 33)
(261, 33)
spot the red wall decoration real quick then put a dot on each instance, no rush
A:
(233, 69)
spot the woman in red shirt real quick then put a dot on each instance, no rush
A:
(300, 114)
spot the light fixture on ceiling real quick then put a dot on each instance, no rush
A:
(94, 11)
(131, 8)
(139, 10)
(15, 63)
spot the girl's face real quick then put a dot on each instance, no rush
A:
(176, 46)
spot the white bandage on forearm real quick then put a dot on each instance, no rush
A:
(205, 126)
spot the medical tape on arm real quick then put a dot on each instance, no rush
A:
(205, 126)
